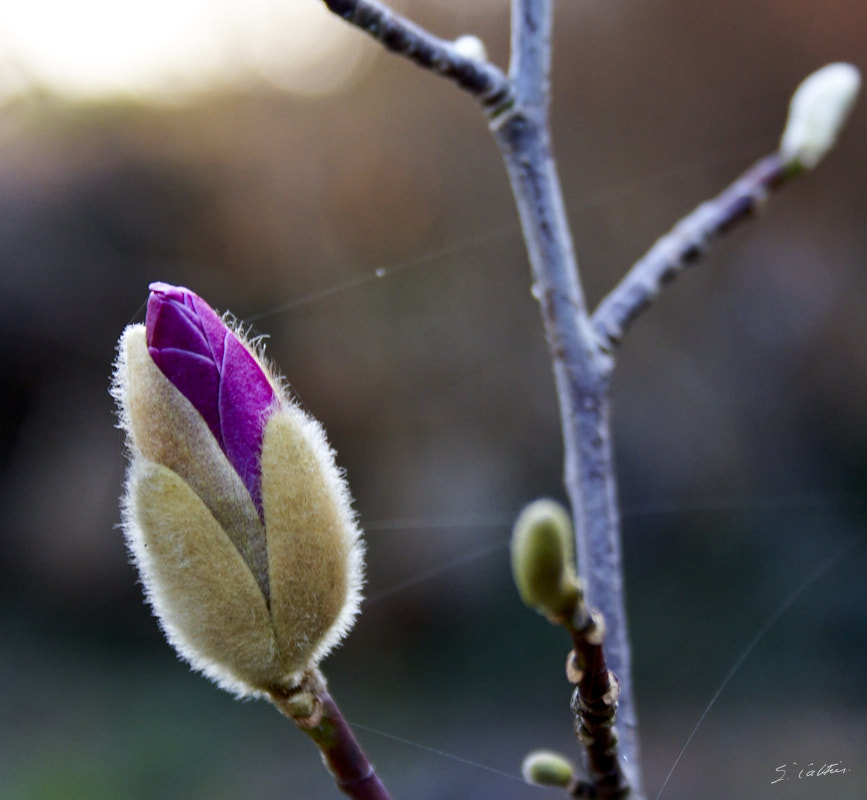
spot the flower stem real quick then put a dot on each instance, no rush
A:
(312, 708)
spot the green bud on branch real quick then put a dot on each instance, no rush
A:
(542, 561)
(547, 768)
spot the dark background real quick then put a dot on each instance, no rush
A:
(740, 409)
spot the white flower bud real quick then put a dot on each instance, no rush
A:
(819, 108)
(470, 46)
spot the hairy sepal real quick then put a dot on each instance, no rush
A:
(251, 606)
(164, 427)
(315, 549)
(204, 594)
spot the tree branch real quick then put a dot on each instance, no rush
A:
(530, 66)
(581, 368)
(480, 78)
(684, 245)
(518, 111)
(580, 346)
(817, 113)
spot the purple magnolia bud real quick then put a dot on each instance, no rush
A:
(235, 512)
(210, 366)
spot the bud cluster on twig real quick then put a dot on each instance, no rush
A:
(543, 567)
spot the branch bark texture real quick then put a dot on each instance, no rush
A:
(582, 369)
(685, 244)
(396, 33)
(518, 110)
(594, 706)
(581, 346)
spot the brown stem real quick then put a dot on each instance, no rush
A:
(594, 705)
(314, 711)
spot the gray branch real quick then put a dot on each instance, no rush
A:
(684, 245)
(517, 107)
(396, 33)
(581, 347)
(581, 368)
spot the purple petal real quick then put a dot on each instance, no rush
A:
(246, 397)
(197, 378)
(210, 366)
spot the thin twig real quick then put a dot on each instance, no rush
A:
(481, 79)
(684, 245)
(314, 711)
(594, 705)
(581, 347)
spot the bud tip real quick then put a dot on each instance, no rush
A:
(547, 768)
(817, 112)
(470, 46)
(542, 561)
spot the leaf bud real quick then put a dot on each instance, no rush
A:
(547, 768)
(470, 46)
(542, 561)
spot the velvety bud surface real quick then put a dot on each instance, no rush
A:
(235, 512)
(210, 366)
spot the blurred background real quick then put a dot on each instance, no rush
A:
(354, 209)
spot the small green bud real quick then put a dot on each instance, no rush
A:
(817, 112)
(542, 561)
(547, 768)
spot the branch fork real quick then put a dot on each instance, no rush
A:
(395, 33)
(582, 346)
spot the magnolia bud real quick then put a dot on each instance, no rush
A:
(235, 513)
(542, 560)
(817, 112)
(547, 768)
